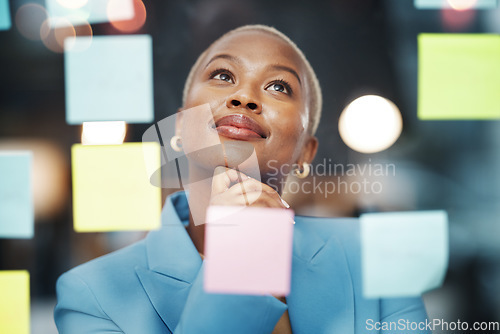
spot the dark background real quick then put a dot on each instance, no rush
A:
(357, 47)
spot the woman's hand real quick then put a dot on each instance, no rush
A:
(231, 187)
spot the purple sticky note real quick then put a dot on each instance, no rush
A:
(248, 250)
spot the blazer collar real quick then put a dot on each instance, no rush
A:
(322, 296)
(170, 250)
(173, 262)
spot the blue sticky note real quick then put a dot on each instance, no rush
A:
(78, 12)
(110, 80)
(457, 4)
(5, 22)
(403, 254)
(16, 195)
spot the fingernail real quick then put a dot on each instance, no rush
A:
(285, 203)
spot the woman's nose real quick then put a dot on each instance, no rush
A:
(241, 100)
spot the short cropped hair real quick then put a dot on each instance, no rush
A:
(314, 95)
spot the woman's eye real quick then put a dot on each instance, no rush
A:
(281, 87)
(223, 77)
(278, 87)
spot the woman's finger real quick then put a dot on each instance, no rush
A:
(231, 187)
(263, 199)
(224, 177)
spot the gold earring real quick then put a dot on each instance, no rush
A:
(174, 143)
(304, 173)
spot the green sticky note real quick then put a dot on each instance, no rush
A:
(15, 302)
(112, 189)
(403, 254)
(459, 76)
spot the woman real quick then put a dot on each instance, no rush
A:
(262, 92)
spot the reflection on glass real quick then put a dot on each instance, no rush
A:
(103, 133)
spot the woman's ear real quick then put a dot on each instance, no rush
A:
(178, 122)
(309, 150)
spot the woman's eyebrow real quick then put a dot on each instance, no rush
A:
(237, 60)
(285, 68)
(224, 56)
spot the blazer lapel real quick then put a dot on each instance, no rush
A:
(173, 263)
(322, 297)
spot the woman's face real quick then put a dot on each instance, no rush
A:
(255, 85)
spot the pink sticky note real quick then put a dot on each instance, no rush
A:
(248, 250)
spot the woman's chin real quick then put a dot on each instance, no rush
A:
(239, 155)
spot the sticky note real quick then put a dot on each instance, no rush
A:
(16, 194)
(455, 4)
(111, 188)
(459, 76)
(110, 80)
(5, 22)
(403, 253)
(15, 302)
(248, 250)
(78, 12)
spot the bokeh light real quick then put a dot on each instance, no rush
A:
(53, 38)
(462, 4)
(29, 19)
(70, 43)
(370, 124)
(454, 20)
(103, 133)
(61, 34)
(128, 26)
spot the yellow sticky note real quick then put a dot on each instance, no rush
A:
(459, 76)
(14, 302)
(111, 187)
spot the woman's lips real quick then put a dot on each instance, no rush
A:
(239, 127)
(237, 133)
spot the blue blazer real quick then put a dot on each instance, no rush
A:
(156, 286)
